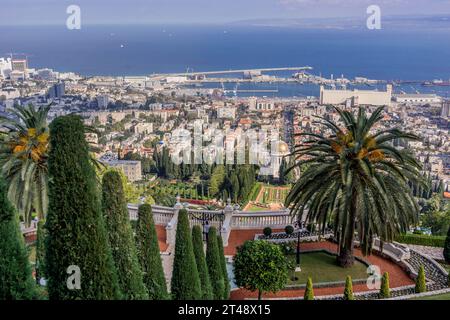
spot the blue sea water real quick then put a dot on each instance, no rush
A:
(144, 49)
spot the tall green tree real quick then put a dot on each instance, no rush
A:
(260, 266)
(214, 265)
(202, 268)
(223, 265)
(120, 236)
(16, 282)
(359, 179)
(76, 229)
(149, 255)
(40, 250)
(23, 159)
(185, 283)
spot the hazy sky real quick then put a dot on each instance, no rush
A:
(204, 11)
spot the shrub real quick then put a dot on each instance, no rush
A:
(185, 284)
(447, 247)
(76, 230)
(16, 282)
(385, 291)
(289, 229)
(202, 268)
(260, 266)
(214, 265)
(309, 292)
(422, 240)
(148, 254)
(348, 291)
(120, 236)
(421, 281)
(267, 231)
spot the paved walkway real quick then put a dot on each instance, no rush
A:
(433, 252)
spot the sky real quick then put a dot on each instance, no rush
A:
(37, 12)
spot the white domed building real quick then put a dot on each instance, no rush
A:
(279, 149)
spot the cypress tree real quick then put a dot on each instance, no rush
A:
(76, 231)
(309, 292)
(40, 250)
(420, 281)
(385, 292)
(214, 265)
(16, 282)
(223, 265)
(185, 284)
(348, 291)
(120, 236)
(202, 268)
(447, 247)
(149, 256)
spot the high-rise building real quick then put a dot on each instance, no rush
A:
(57, 91)
(102, 101)
(5, 67)
(445, 111)
(19, 64)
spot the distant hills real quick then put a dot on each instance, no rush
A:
(435, 22)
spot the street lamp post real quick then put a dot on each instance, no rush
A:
(298, 268)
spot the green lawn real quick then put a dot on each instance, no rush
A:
(322, 267)
(445, 296)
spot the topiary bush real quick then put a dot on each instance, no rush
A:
(197, 242)
(289, 229)
(267, 231)
(76, 230)
(309, 292)
(385, 291)
(185, 283)
(223, 265)
(421, 281)
(348, 291)
(149, 255)
(120, 234)
(214, 265)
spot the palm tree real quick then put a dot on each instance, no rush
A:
(23, 159)
(357, 179)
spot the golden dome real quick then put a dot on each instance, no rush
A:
(282, 147)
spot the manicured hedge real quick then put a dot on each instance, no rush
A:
(422, 240)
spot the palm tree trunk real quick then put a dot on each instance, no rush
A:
(346, 257)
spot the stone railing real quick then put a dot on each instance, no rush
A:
(224, 220)
(161, 215)
(261, 219)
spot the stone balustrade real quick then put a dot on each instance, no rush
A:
(258, 220)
